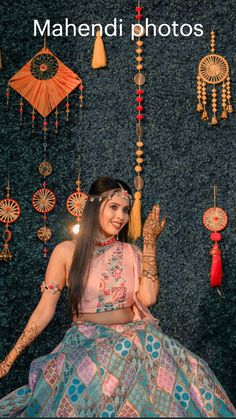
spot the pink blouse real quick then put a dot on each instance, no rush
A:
(113, 281)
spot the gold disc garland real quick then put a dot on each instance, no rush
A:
(213, 69)
(44, 201)
(75, 204)
(135, 223)
(44, 233)
(45, 168)
(9, 213)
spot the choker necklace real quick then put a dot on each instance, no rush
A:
(103, 243)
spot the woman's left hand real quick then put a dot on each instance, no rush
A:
(153, 226)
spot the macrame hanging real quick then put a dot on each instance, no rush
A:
(9, 213)
(213, 69)
(45, 82)
(215, 219)
(135, 224)
(43, 201)
(75, 202)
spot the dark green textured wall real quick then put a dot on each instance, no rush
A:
(183, 158)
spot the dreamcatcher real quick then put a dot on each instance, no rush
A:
(75, 203)
(9, 213)
(44, 82)
(135, 224)
(215, 219)
(213, 70)
(43, 201)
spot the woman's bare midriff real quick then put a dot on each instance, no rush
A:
(124, 315)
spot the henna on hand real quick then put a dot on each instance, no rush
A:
(153, 226)
(27, 337)
(151, 230)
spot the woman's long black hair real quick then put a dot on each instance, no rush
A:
(89, 225)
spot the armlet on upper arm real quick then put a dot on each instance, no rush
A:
(52, 287)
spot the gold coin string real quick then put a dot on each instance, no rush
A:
(213, 69)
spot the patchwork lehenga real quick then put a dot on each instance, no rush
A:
(119, 370)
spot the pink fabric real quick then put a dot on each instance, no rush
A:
(113, 281)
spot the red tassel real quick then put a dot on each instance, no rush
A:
(216, 266)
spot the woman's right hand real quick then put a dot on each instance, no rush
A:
(5, 367)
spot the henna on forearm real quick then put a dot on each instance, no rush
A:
(150, 270)
(27, 337)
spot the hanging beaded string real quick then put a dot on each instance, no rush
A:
(56, 123)
(67, 105)
(139, 80)
(21, 111)
(81, 96)
(33, 117)
(7, 94)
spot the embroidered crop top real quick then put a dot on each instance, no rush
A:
(113, 281)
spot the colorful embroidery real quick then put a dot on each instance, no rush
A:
(113, 289)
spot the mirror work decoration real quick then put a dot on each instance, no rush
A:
(213, 70)
(135, 224)
(45, 82)
(215, 219)
(9, 213)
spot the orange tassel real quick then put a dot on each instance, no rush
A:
(99, 54)
(135, 222)
(214, 120)
(204, 115)
(199, 107)
(216, 266)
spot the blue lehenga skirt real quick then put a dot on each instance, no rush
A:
(125, 370)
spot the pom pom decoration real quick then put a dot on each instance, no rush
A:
(215, 219)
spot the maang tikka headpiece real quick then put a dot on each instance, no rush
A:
(121, 193)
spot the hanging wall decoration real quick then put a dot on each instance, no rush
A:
(99, 58)
(213, 70)
(1, 61)
(215, 219)
(75, 203)
(44, 201)
(45, 82)
(135, 224)
(9, 213)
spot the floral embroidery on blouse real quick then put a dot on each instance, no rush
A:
(113, 290)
